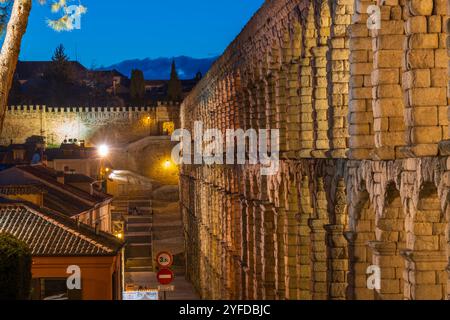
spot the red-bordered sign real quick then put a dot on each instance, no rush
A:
(164, 259)
(164, 276)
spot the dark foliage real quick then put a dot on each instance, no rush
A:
(15, 268)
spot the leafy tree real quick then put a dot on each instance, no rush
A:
(174, 90)
(137, 87)
(15, 268)
(14, 21)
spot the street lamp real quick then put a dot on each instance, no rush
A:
(119, 235)
(167, 164)
(149, 126)
(103, 150)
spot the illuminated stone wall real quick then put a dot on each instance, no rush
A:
(149, 157)
(364, 178)
(114, 125)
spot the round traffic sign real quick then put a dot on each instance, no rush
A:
(164, 276)
(164, 259)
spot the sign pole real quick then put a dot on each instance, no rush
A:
(165, 275)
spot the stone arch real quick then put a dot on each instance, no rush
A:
(426, 256)
(363, 215)
(390, 240)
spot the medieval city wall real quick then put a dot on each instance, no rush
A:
(364, 177)
(93, 124)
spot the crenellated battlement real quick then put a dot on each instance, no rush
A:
(129, 109)
(121, 124)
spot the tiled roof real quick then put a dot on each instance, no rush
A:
(71, 151)
(50, 234)
(20, 189)
(64, 198)
(49, 175)
(29, 69)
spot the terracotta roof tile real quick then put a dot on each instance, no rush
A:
(50, 234)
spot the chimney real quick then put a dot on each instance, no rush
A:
(60, 177)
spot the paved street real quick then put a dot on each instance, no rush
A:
(183, 289)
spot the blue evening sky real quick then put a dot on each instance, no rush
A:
(113, 30)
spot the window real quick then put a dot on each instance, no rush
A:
(168, 128)
(53, 289)
(18, 154)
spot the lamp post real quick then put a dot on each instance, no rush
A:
(103, 152)
(149, 126)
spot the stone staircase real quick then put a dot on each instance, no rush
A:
(138, 232)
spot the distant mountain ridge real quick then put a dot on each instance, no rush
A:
(159, 69)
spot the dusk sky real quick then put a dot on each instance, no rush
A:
(112, 31)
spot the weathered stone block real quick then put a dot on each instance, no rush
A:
(421, 7)
(385, 76)
(434, 24)
(420, 59)
(427, 292)
(422, 116)
(388, 108)
(427, 96)
(416, 24)
(388, 58)
(423, 41)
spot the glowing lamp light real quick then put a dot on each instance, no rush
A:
(103, 150)
(119, 235)
(167, 164)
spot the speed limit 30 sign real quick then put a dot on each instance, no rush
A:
(164, 259)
